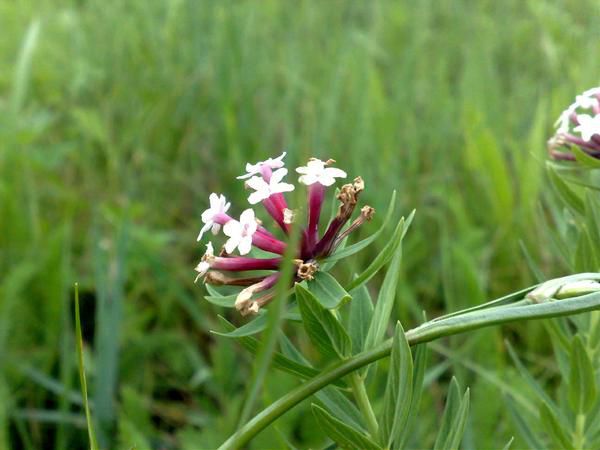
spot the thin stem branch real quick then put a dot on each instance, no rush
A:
(429, 331)
(362, 399)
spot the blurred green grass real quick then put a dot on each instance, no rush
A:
(119, 118)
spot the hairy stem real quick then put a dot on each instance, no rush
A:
(427, 332)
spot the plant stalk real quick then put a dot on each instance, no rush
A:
(360, 394)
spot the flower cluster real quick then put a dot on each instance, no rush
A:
(578, 125)
(265, 180)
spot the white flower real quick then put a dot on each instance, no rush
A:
(255, 169)
(240, 233)
(586, 100)
(588, 126)
(264, 190)
(317, 172)
(204, 265)
(218, 205)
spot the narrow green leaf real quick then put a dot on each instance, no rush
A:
(585, 257)
(226, 301)
(254, 326)
(582, 382)
(565, 192)
(450, 411)
(345, 436)
(524, 425)
(398, 391)
(355, 248)
(584, 159)
(554, 428)
(322, 327)
(280, 361)
(385, 255)
(385, 302)
(361, 314)
(328, 292)
(458, 424)
(82, 378)
(419, 369)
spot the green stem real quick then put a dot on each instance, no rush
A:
(429, 331)
(360, 393)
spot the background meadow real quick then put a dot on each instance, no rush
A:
(117, 119)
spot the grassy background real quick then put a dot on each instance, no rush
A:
(119, 118)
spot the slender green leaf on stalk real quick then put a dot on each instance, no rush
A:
(385, 302)
(509, 444)
(457, 429)
(355, 248)
(345, 436)
(554, 428)
(398, 391)
(585, 254)
(328, 292)
(226, 301)
(323, 329)
(524, 426)
(533, 384)
(254, 326)
(570, 198)
(82, 378)
(584, 159)
(592, 216)
(582, 381)
(389, 251)
(361, 314)
(280, 361)
(419, 369)
(450, 413)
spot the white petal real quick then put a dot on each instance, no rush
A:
(257, 183)
(232, 243)
(245, 245)
(248, 217)
(204, 229)
(232, 228)
(308, 179)
(326, 180)
(302, 170)
(334, 172)
(278, 162)
(257, 197)
(315, 164)
(282, 187)
(277, 176)
(215, 228)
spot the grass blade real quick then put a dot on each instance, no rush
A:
(82, 379)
